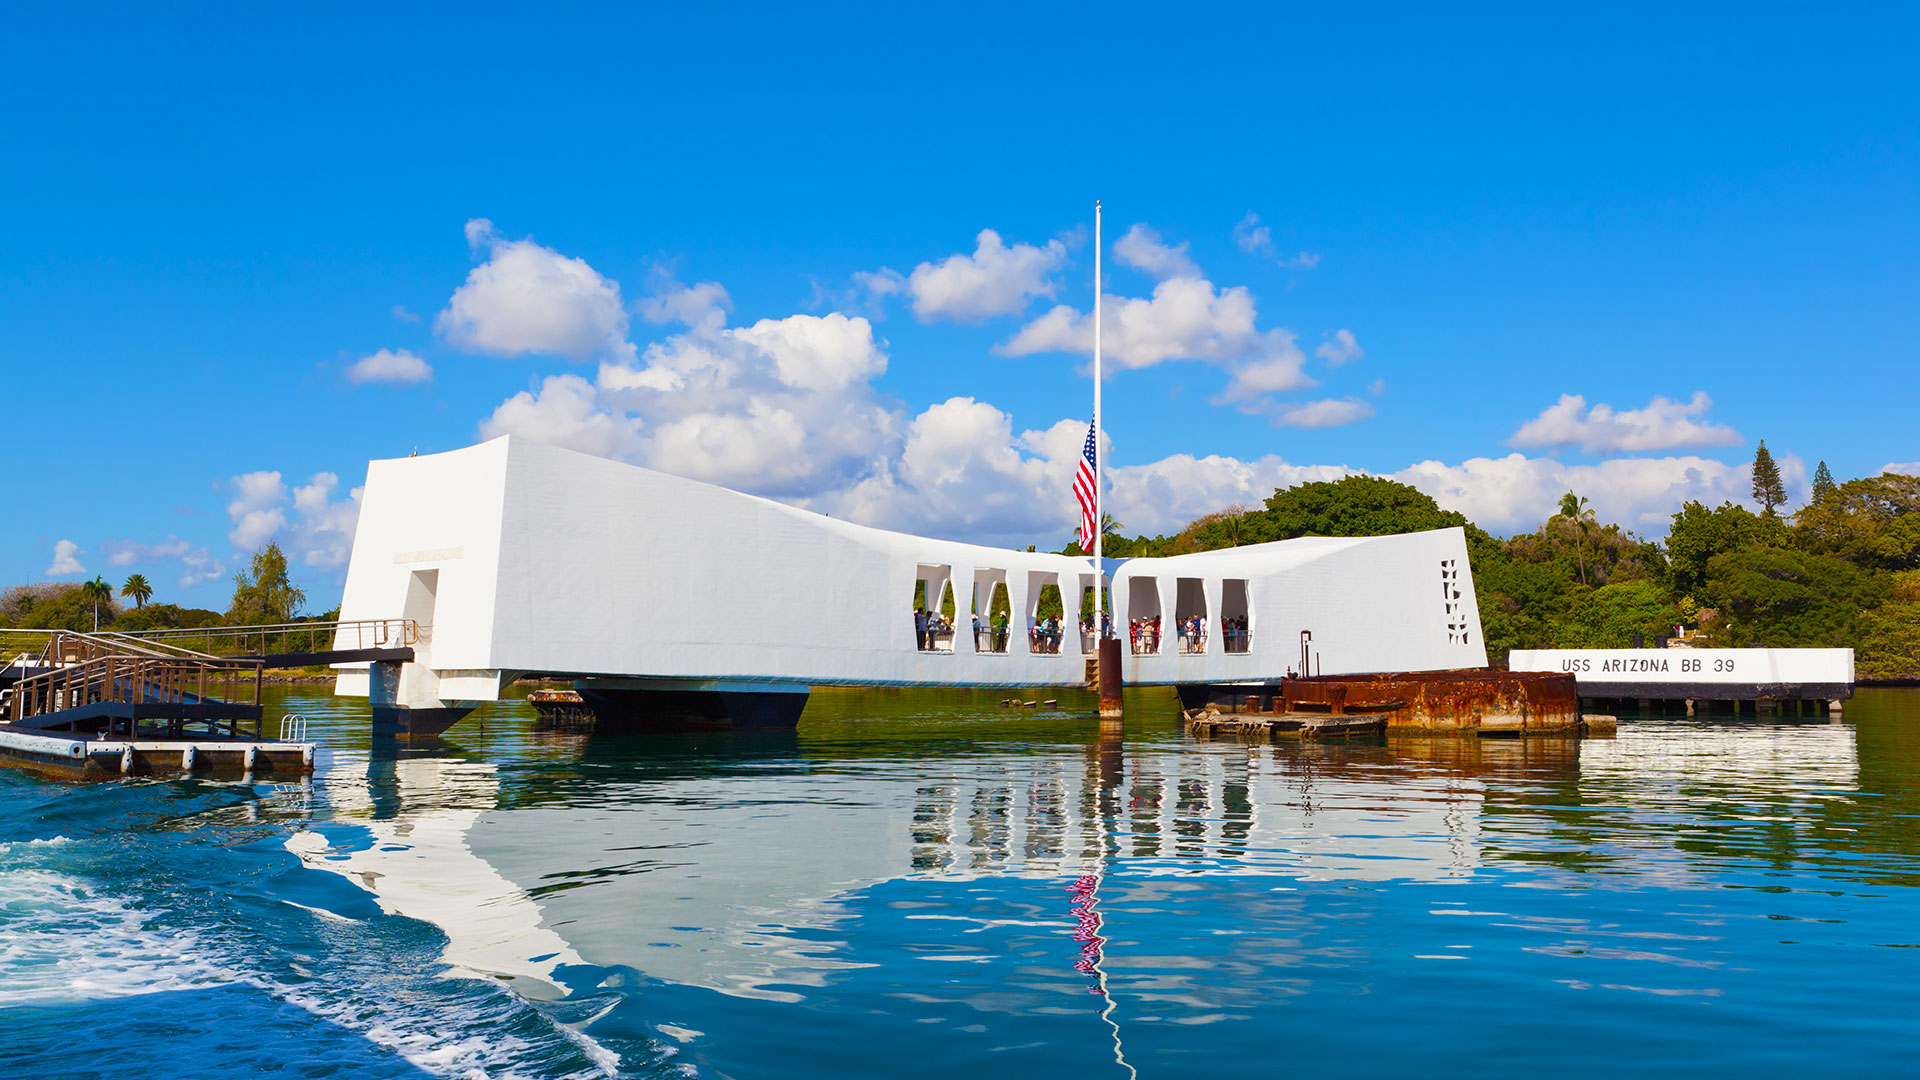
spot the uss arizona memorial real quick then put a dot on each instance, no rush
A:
(517, 558)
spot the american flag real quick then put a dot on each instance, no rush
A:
(1085, 479)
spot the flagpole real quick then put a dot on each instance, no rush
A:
(1099, 463)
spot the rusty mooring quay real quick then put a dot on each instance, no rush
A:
(1429, 702)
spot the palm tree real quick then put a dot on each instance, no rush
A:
(138, 590)
(97, 590)
(1574, 509)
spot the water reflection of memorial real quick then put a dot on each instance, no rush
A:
(741, 865)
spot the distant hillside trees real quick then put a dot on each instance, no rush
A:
(1843, 571)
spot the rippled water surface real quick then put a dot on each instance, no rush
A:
(929, 885)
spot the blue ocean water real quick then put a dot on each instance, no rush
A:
(926, 884)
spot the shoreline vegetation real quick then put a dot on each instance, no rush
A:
(1841, 571)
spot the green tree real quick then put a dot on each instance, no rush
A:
(1575, 510)
(1351, 506)
(97, 592)
(1698, 534)
(1785, 598)
(1768, 491)
(137, 590)
(1609, 616)
(1823, 485)
(264, 594)
(62, 607)
(1889, 646)
(1874, 522)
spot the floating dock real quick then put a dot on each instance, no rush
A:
(78, 757)
(1305, 725)
(93, 706)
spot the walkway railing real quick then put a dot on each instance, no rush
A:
(333, 635)
(81, 670)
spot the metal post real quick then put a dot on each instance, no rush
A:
(1108, 657)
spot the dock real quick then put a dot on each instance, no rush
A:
(77, 757)
(1305, 725)
(92, 706)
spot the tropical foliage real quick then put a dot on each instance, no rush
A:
(1843, 571)
(264, 594)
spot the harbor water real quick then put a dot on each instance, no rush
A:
(929, 884)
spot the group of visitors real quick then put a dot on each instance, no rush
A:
(1145, 635)
(929, 627)
(1192, 631)
(1044, 637)
(989, 638)
(1193, 634)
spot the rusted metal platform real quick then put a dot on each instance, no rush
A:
(1477, 702)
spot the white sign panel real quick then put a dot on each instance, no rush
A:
(1705, 667)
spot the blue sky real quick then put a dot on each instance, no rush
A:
(746, 244)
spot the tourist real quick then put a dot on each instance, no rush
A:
(920, 628)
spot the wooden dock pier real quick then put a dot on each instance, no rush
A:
(1264, 726)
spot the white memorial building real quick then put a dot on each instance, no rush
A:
(519, 558)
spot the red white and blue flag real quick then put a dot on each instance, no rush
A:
(1085, 483)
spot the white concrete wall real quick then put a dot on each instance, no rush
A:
(562, 562)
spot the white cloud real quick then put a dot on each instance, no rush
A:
(196, 564)
(818, 352)
(402, 314)
(1251, 236)
(1282, 367)
(530, 299)
(1185, 319)
(1329, 412)
(1661, 425)
(199, 565)
(1516, 493)
(256, 509)
(963, 472)
(782, 407)
(66, 559)
(565, 411)
(879, 284)
(1142, 249)
(397, 367)
(310, 524)
(129, 552)
(1904, 468)
(994, 280)
(1256, 239)
(1340, 348)
(703, 305)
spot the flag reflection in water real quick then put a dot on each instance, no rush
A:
(1086, 930)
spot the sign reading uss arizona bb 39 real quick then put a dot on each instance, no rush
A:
(1698, 673)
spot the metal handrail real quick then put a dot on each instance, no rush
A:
(380, 632)
(293, 728)
(130, 678)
